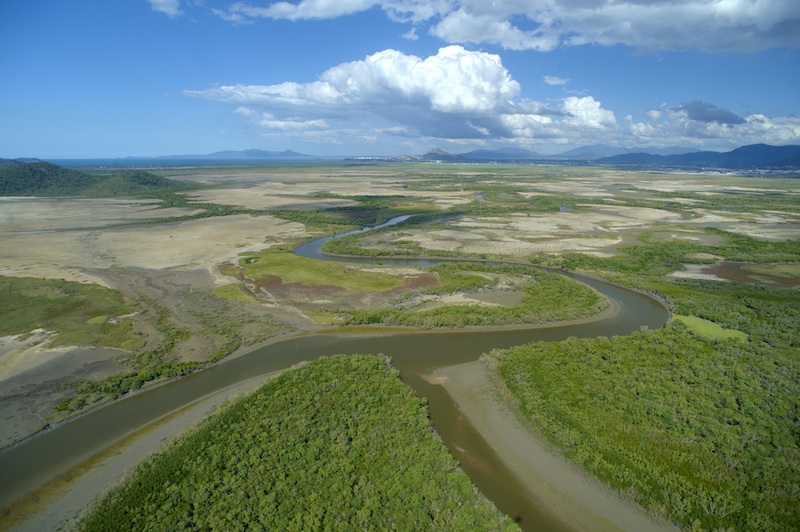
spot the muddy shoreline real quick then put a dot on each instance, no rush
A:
(581, 502)
(52, 498)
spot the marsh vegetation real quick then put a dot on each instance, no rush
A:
(697, 421)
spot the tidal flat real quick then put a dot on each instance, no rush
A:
(670, 235)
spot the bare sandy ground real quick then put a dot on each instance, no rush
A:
(32, 214)
(85, 240)
(598, 231)
(695, 271)
(574, 498)
(20, 353)
(72, 253)
(288, 191)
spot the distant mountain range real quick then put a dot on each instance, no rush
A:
(242, 154)
(584, 153)
(599, 151)
(752, 156)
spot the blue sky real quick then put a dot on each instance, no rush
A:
(93, 78)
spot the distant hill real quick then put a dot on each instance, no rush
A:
(133, 183)
(436, 154)
(243, 154)
(5, 163)
(511, 154)
(600, 151)
(752, 156)
(43, 179)
(595, 151)
(47, 179)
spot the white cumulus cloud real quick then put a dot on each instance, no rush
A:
(462, 26)
(588, 112)
(455, 93)
(464, 97)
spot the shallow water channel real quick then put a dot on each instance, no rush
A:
(415, 354)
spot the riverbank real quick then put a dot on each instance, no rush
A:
(574, 498)
(447, 344)
(59, 503)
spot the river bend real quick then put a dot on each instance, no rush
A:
(415, 354)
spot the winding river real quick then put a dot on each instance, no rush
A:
(415, 354)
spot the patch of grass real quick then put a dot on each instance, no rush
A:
(292, 269)
(235, 292)
(229, 269)
(77, 313)
(789, 271)
(709, 330)
(548, 297)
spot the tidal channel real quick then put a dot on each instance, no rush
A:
(415, 354)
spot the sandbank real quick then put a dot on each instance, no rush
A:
(570, 494)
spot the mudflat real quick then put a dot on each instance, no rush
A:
(571, 496)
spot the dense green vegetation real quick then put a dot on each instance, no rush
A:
(703, 432)
(79, 314)
(134, 183)
(43, 179)
(548, 297)
(693, 424)
(340, 443)
(46, 179)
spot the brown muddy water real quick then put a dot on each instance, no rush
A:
(415, 354)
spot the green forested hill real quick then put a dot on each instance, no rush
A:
(133, 183)
(47, 179)
(43, 179)
(338, 444)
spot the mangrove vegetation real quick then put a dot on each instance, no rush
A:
(339, 443)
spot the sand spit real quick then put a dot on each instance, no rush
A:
(573, 497)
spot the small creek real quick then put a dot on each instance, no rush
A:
(415, 354)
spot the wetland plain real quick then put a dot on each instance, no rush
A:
(204, 289)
